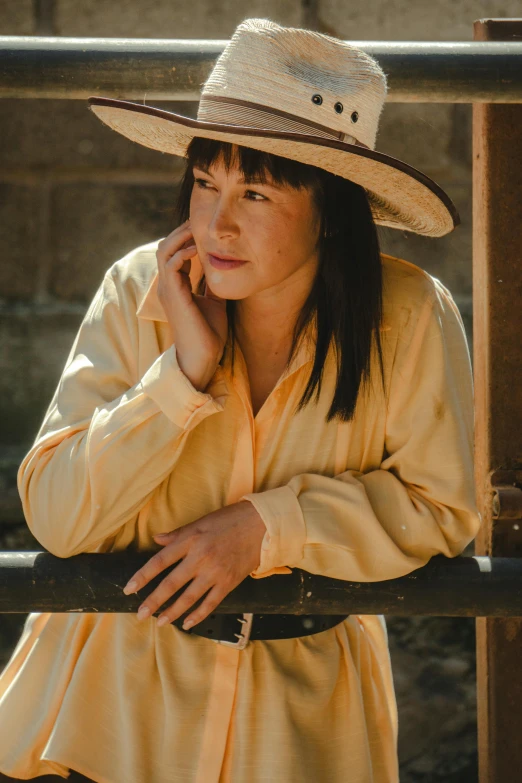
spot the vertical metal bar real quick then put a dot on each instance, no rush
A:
(43, 11)
(497, 355)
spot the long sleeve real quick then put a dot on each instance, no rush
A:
(420, 502)
(108, 438)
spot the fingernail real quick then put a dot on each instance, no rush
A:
(187, 624)
(143, 612)
(130, 587)
(163, 620)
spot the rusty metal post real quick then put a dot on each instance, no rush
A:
(497, 355)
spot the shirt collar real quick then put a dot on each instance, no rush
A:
(150, 307)
(304, 353)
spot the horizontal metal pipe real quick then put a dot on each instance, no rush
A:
(450, 587)
(148, 70)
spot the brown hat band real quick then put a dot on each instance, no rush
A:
(233, 111)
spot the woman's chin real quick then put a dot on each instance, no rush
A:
(223, 284)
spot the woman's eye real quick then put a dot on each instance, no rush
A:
(256, 194)
(202, 183)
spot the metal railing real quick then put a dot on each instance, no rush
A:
(147, 69)
(452, 587)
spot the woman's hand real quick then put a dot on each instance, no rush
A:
(217, 553)
(198, 323)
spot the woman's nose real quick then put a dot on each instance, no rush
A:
(223, 222)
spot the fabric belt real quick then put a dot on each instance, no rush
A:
(236, 630)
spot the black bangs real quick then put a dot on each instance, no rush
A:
(256, 166)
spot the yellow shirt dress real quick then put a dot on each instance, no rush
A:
(129, 448)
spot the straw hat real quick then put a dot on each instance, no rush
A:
(302, 95)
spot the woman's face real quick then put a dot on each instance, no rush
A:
(273, 228)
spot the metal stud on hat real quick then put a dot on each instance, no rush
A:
(302, 95)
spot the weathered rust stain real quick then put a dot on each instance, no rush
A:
(513, 628)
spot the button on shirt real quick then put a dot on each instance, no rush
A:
(129, 448)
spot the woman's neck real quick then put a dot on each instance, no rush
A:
(265, 332)
(264, 323)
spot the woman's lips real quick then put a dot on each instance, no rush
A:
(221, 263)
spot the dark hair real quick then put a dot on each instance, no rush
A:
(346, 294)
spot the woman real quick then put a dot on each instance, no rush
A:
(309, 407)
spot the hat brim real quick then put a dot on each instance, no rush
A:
(400, 196)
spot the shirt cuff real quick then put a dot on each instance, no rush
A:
(285, 536)
(166, 384)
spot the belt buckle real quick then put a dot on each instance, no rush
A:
(244, 636)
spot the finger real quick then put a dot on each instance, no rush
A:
(171, 243)
(157, 563)
(176, 231)
(179, 264)
(179, 260)
(174, 240)
(192, 593)
(164, 538)
(207, 606)
(179, 577)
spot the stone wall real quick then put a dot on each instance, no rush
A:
(75, 196)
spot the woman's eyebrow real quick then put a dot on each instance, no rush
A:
(244, 180)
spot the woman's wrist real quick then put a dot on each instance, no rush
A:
(257, 527)
(199, 373)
